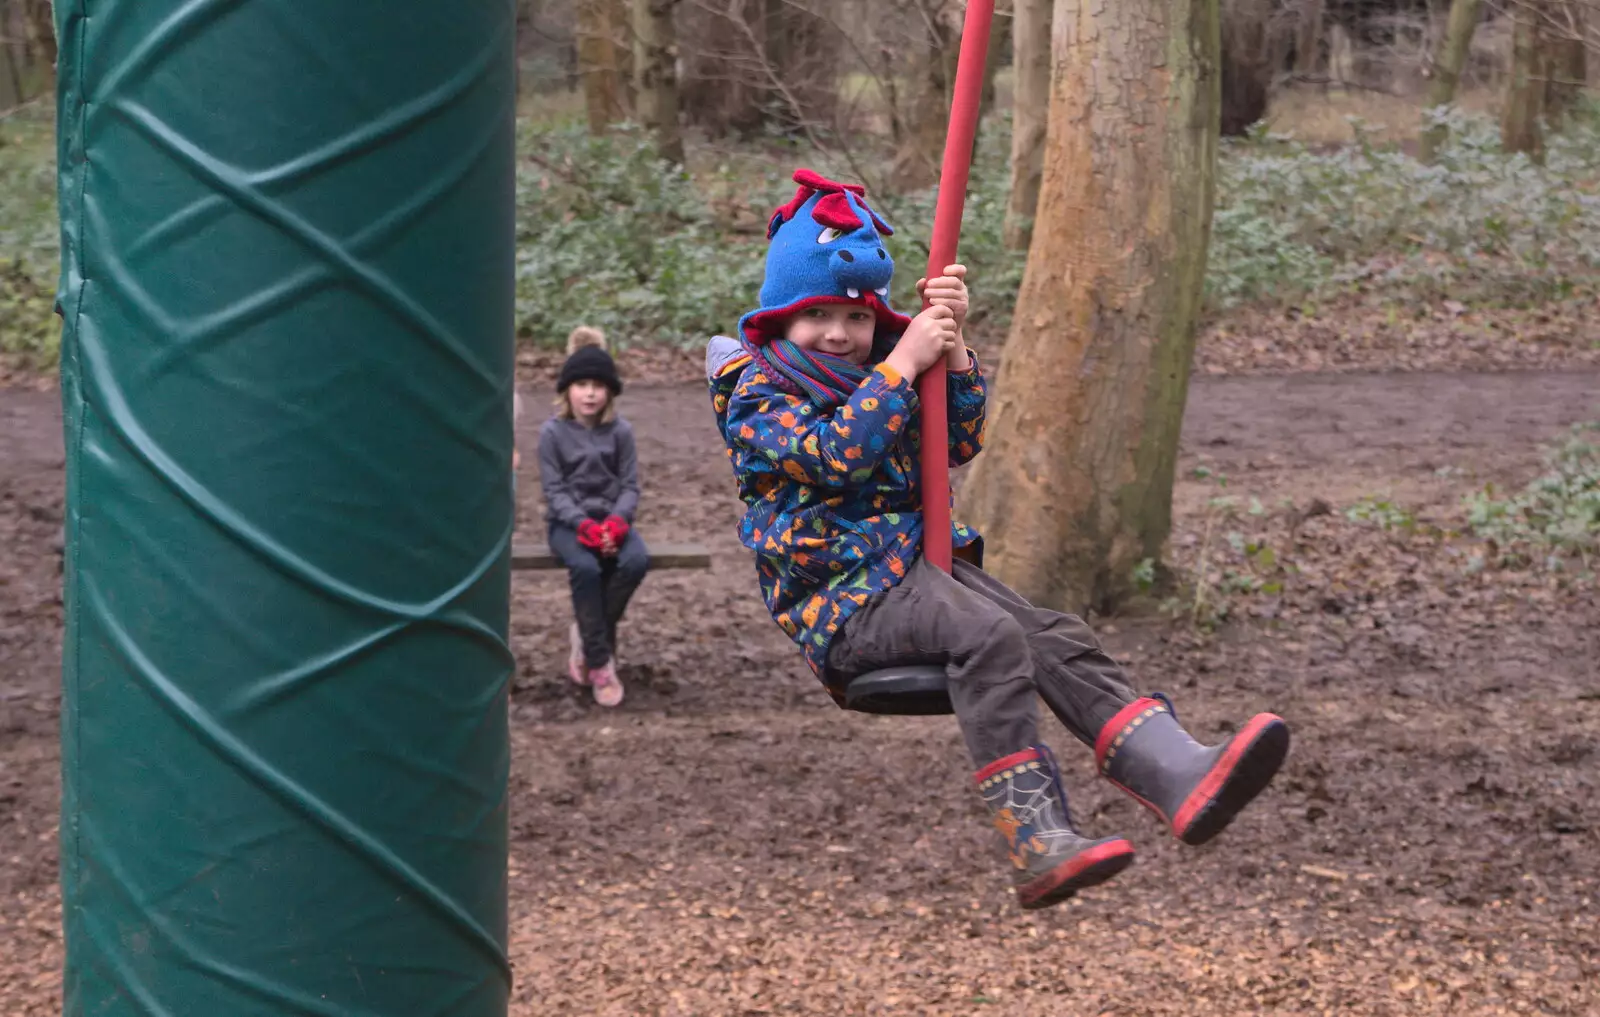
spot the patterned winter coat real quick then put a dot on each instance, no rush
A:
(831, 499)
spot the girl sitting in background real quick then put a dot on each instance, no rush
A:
(589, 474)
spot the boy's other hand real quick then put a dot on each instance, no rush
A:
(948, 290)
(931, 335)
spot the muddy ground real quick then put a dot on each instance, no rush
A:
(728, 843)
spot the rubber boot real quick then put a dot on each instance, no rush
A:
(1195, 789)
(1051, 860)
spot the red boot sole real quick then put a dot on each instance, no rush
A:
(1245, 769)
(1081, 871)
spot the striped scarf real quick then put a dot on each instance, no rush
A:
(828, 381)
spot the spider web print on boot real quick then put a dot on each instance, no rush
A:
(1050, 860)
(1196, 789)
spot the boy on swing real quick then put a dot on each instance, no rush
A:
(816, 405)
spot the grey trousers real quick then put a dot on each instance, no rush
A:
(998, 649)
(601, 588)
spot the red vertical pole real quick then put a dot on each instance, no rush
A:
(936, 544)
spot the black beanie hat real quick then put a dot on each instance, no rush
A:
(588, 360)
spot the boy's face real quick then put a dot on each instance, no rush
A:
(588, 398)
(844, 330)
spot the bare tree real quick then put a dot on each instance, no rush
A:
(916, 162)
(43, 34)
(1567, 63)
(1590, 22)
(805, 52)
(726, 75)
(655, 56)
(1247, 69)
(11, 90)
(1030, 101)
(1521, 127)
(850, 77)
(999, 40)
(762, 65)
(1076, 485)
(1449, 58)
(600, 42)
(14, 55)
(1310, 60)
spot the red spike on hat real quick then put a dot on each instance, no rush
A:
(833, 210)
(817, 182)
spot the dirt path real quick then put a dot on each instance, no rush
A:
(727, 843)
(1385, 423)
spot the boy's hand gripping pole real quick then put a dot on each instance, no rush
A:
(935, 457)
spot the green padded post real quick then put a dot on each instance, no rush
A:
(287, 290)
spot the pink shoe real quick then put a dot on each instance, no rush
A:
(607, 686)
(577, 669)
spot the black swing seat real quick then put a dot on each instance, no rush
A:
(916, 690)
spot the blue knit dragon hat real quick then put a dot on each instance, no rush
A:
(825, 247)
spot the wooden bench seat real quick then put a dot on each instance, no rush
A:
(662, 556)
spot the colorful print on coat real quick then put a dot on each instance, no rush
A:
(831, 498)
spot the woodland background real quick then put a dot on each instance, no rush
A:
(1306, 298)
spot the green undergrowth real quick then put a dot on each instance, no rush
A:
(610, 235)
(30, 241)
(1554, 520)
(1247, 555)
(1477, 226)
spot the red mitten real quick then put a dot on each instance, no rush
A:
(592, 535)
(617, 527)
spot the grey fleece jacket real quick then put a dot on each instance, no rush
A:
(587, 473)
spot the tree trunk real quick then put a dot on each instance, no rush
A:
(1246, 74)
(724, 84)
(1309, 60)
(1591, 44)
(995, 56)
(916, 162)
(1030, 101)
(42, 31)
(1447, 63)
(598, 65)
(622, 44)
(754, 67)
(891, 99)
(806, 65)
(655, 56)
(523, 12)
(1076, 486)
(12, 92)
(1567, 64)
(921, 150)
(1520, 128)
